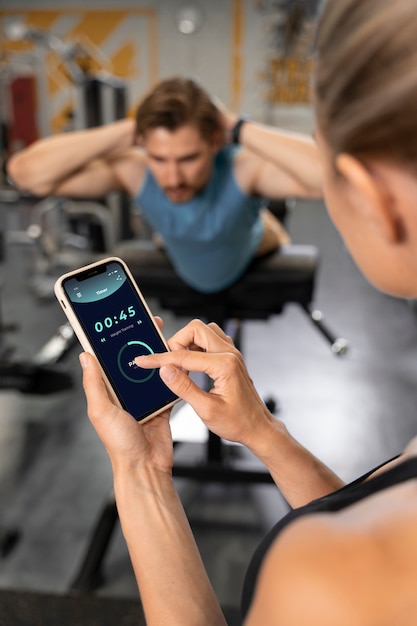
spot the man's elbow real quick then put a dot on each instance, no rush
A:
(316, 193)
(308, 193)
(23, 174)
(313, 190)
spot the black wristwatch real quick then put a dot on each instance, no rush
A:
(238, 127)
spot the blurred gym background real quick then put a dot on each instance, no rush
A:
(71, 65)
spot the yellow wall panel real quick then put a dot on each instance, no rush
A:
(41, 19)
(97, 25)
(237, 43)
(125, 62)
(121, 42)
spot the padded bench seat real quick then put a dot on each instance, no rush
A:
(270, 282)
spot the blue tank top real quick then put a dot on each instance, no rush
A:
(212, 238)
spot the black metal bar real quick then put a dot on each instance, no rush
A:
(8, 540)
(219, 473)
(214, 448)
(339, 345)
(89, 574)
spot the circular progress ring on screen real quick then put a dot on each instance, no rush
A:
(130, 362)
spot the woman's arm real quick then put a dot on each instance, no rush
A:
(234, 410)
(173, 583)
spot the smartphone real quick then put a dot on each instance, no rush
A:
(112, 321)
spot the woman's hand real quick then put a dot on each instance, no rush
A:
(232, 408)
(129, 443)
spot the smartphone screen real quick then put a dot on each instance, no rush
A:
(119, 328)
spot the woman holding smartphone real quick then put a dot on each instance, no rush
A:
(345, 554)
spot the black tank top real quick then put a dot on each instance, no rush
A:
(340, 499)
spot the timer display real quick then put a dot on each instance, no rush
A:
(121, 316)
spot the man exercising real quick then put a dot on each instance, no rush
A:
(180, 162)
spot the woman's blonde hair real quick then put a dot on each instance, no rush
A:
(365, 80)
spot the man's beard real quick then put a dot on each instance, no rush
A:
(179, 193)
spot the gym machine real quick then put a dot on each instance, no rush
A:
(62, 233)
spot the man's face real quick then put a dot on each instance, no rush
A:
(181, 161)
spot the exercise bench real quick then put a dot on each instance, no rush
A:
(287, 276)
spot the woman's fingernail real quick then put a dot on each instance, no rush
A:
(141, 358)
(168, 373)
(83, 360)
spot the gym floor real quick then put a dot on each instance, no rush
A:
(353, 412)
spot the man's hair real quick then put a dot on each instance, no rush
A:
(175, 102)
(365, 78)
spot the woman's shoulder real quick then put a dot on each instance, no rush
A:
(345, 569)
(305, 578)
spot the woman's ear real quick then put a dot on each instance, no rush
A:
(370, 194)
